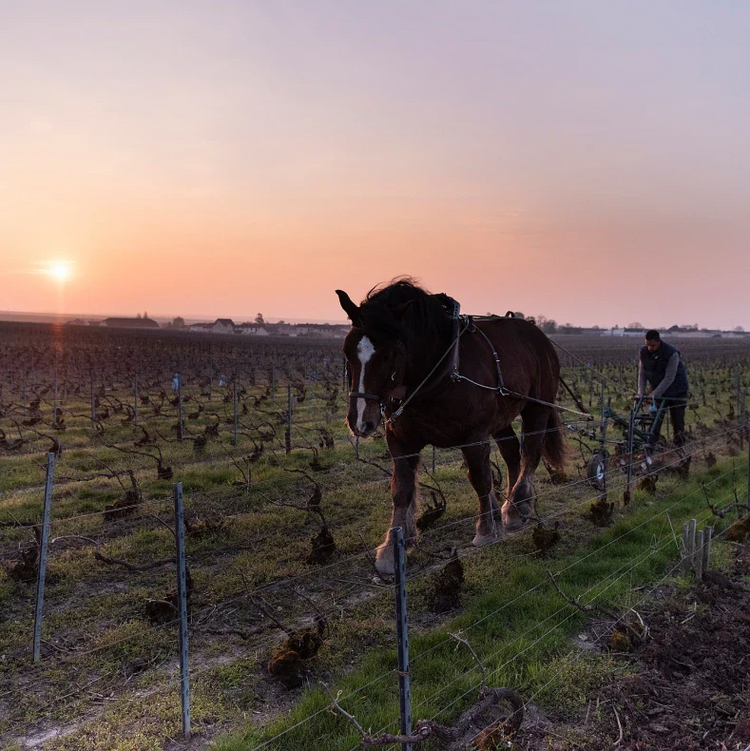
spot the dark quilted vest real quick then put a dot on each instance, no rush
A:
(655, 365)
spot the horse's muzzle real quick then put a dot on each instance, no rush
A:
(365, 428)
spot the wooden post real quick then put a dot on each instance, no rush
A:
(742, 427)
(434, 459)
(685, 561)
(631, 428)
(603, 444)
(698, 556)
(234, 402)
(135, 399)
(54, 402)
(42, 570)
(93, 398)
(738, 392)
(707, 535)
(179, 525)
(404, 688)
(288, 431)
(691, 542)
(179, 406)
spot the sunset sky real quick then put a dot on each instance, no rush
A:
(585, 160)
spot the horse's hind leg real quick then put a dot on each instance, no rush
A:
(510, 449)
(518, 508)
(480, 477)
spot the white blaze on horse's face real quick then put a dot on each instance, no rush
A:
(365, 351)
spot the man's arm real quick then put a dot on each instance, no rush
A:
(641, 379)
(669, 375)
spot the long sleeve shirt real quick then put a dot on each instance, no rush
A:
(669, 376)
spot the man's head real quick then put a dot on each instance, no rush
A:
(653, 340)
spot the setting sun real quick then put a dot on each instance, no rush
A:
(59, 271)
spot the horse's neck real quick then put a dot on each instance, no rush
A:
(424, 357)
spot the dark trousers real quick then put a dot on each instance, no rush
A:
(676, 406)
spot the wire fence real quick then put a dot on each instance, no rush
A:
(328, 607)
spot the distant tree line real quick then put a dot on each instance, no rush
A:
(547, 325)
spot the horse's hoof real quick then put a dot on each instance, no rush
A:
(384, 563)
(512, 519)
(480, 541)
(515, 525)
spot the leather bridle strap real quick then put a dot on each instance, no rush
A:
(363, 395)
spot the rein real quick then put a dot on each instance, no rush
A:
(454, 345)
(500, 389)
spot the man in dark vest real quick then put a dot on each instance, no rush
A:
(662, 368)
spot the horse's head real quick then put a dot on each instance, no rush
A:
(375, 359)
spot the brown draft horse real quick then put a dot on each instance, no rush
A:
(406, 350)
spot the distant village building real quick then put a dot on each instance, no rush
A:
(306, 330)
(251, 329)
(223, 326)
(219, 326)
(323, 330)
(129, 323)
(280, 329)
(678, 332)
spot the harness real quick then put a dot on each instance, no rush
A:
(462, 324)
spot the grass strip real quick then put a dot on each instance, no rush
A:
(526, 645)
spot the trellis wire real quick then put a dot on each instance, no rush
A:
(60, 520)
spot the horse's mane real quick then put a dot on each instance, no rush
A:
(428, 318)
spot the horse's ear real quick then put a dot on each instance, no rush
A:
(401, 311)
(349, 307)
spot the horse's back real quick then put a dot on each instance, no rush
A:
(508, 334)
(527, 355)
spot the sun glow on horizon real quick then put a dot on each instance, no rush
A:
(59, 271)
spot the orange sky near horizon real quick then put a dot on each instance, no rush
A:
(234, 158)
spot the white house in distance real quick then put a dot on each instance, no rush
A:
(219, 326)
(201, 328)
(251, 329)
(307, 330)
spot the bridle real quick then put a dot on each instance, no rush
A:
(366, 395)
(462, 324)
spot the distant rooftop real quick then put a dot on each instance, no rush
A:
(130, 323)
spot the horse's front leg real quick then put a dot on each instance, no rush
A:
(404, 494)
(480, 476)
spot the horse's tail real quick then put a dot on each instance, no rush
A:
(553, 447)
